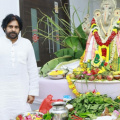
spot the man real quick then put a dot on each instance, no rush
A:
(18, 70)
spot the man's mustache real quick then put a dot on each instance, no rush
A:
(12, 33)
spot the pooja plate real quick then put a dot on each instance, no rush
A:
(58, 76)
(31, 113)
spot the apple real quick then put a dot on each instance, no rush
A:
(97, 70)
(92, 77)
(78, 77)
(99, 77)
(109, 77)
(71, 75)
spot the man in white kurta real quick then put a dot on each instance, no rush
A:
(18, 76)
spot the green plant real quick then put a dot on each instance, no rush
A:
(91, 105)
(48, 116)
(69, 36)
(72, 38)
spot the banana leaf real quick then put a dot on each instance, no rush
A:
(78, 54)
(64, 51)
(50, 65)
(72, 42)
(79, 32)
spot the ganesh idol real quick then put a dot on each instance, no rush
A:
(104, 34)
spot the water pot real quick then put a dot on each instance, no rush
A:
(59, 110)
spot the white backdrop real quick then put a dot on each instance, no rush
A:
(7, 7)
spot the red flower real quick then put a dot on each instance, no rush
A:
(93, 21)
(110, 66)
(104, 51)
(98, 39)
(93, 72)
(105, 64)
(94, 91)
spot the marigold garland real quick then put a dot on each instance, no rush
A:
(72, 86)
(74, 90)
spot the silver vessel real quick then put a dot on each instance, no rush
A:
(59, 110)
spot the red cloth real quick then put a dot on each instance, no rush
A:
(46, 104)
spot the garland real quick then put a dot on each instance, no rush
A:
(72, 86)
(74, 90)
(94, 28)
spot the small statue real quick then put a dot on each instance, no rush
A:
(104, 35)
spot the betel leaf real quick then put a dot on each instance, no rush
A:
(94, 107)
(83, 115)
(94, 104)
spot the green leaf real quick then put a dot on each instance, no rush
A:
(78, 54)
(72, 42)
(80, 31)
(63, 52)
(52, 64)
(94, 107)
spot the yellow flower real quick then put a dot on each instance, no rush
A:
(75, 91)
(72, 86)
(115, 30)
(56, 72)
(80, 95)
(97, 93)
(77, 94)
(94, 31)
(17, 118)
(87, 93)
(118, 97)
(70, 82)
(88, 69)
(118, 21)
(67, 77)
(38, 118)
(96, 52)
(88, 61)
(81, 63)
(92, 25)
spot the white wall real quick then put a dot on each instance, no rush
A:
(7, 7)
(82, 5)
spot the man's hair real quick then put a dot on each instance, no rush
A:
(10, 18)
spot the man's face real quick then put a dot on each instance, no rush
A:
(12, 30)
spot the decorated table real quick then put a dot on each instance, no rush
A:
(57, 88)
(111, 88)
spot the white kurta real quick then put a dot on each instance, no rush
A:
(18, 77)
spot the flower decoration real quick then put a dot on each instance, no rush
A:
(72, 86)
(56, 72)
(94, 28)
